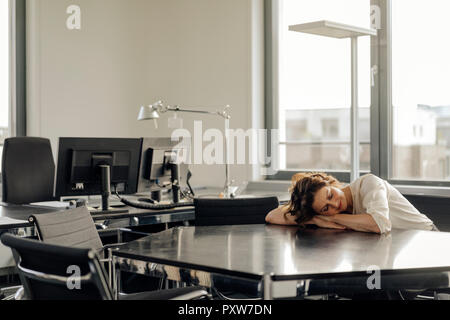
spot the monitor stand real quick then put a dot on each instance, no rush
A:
(106, 192)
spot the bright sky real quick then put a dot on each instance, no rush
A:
(4, 62)
(316, 70)
(421, 52)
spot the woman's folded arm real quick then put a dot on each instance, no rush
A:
(357, 222)
(281, 216)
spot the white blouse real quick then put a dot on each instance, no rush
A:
(388, 207)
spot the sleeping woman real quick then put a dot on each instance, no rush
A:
(369, 204)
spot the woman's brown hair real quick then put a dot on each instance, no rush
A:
(304, 187)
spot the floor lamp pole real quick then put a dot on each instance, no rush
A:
(354, 112)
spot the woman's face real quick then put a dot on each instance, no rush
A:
(329, 201)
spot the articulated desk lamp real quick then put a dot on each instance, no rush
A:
(153, 111)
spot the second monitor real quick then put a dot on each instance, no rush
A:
(162, 167)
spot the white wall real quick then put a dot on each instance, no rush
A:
(91, 82)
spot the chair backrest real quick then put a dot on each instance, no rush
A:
(71, 228)
(49, 272)
(28, 170)
(216, 211)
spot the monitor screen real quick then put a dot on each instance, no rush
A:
(79, 161)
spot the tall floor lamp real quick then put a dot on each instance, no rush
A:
(153, 111)
(342, 31)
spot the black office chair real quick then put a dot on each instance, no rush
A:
(75, 228)
(217, 211)
(28, 170)
(72, 228)
(48, 271)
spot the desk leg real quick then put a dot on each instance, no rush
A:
(113, 276)
(110, 267)
(267, 285)
(115, 279)
(166, 284)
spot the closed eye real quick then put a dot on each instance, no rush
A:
(330, 196)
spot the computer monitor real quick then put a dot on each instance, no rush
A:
(86, 164)
(162, 162)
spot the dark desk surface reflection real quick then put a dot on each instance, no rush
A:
(292, 253)
(16, 216)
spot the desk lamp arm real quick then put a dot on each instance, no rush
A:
(229, 190)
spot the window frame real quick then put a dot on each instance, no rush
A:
(381, 113)
(17, 69)
(272, 36)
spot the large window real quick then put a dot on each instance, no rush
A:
(404, 96)
(4, 72)
(421, 90)
(315, 87)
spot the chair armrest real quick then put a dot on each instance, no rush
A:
(112, 246)
(198, 294)
(100, 226)
(20, 294)
(188, 293)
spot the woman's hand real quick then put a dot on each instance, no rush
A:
(324, 222)
(281, 216)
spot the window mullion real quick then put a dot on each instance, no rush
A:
(375, 100)
(20, 68)
(271, 17)
(382, 121)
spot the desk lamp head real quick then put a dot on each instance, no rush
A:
(151, 112)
